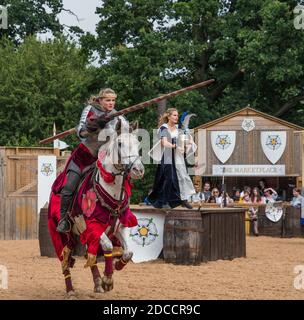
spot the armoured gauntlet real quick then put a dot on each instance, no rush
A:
(93, 124)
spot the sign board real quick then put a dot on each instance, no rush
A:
(223, 143)
(248, 170)
(146, 239)
(46, 177)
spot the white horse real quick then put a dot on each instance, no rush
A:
(122, 158)
(118, 160)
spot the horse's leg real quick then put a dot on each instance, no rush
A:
(97, 279)
(67, 262)
(68, 283)
(63, 253)
(121, 235)
(107, 247)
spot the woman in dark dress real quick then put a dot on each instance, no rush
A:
(172, 184)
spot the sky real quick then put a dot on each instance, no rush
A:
(85, 10)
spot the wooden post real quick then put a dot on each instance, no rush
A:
(300, 180)
(57, 152)
(161, 107)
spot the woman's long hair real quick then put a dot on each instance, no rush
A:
(165, 117)
(258, 196)
(102, 93)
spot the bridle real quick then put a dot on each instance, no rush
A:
(123, 168)
(124, 171)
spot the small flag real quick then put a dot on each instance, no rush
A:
(58, 144)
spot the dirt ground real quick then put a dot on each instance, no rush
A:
(266, 273)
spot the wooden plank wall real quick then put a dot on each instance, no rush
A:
(248, 150)
(18, 218)
(18, 191)
(225, 234)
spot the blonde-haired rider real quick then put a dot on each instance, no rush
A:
(84, 156)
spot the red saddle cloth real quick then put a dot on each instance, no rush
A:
(96, 210)
(98, 217)
(82, 157)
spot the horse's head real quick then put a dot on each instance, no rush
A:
(122, 151)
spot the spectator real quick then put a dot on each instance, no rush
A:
(262, 186)
(198, 196)
(236, 195)
(246, 189)
(256, 197)
(270, 195)
(211, 199)
(228, 199)
(297, 199)
(252, 212)
(253, 216)
(245, 198)
(216, 194)
(206, 190)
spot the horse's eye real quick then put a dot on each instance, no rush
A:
(119, 144)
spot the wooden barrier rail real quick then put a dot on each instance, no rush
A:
(288, 226)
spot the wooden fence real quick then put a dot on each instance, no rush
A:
(18, 191)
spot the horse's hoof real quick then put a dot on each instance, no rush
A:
(107, 283)
(71, 295)
(98, 286)
(98, 289)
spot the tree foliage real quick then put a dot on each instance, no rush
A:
(40, 83)
(28, 17)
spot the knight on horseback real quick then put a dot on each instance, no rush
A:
(100, 209)
(85, 155)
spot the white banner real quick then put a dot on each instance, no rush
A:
(273, 144)
(46, 177)
(146, 239)
(223, 143)
(248, 170)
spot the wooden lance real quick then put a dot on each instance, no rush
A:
(132, 108)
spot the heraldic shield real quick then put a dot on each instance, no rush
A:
(273, 144)
(223, 143)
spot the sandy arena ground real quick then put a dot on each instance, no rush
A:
(266, 273)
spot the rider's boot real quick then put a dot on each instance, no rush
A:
(66, 198)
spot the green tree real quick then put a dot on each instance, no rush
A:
(40, 83)
(28, 17)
